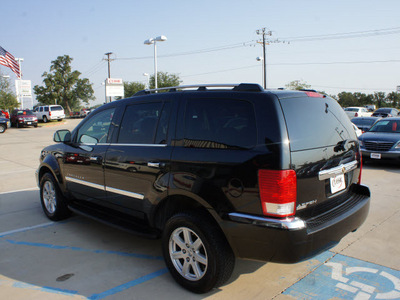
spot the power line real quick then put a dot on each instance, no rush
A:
(346, 35)
(298, 64)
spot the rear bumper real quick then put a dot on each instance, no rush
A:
(59, 117)
(293, 240)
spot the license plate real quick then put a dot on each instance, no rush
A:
(376, 155)
(29, 123)
(337, 183)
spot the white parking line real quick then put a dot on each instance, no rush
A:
(2, 234)
(23, 190)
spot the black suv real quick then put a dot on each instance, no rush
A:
(217, 171)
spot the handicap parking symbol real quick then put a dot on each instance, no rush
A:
(342, 277)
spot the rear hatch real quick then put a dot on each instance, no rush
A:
(57, 111)
(324, 151)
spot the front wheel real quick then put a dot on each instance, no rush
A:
(53, 202)
(196, 252)
(2, 128)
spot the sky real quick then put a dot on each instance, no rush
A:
(334, 46)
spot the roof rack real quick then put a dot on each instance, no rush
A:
(242, 87)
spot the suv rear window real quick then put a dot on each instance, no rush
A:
(308, 118)
(56, 108)
(219, 123)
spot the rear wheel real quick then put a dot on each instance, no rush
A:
(196, 252)
(2, 128)
(45, 119)
(53, 202)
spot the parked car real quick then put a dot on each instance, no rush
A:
(84, 112)
(20, 118)
(357, 130)
(382, 141)
(4, 124)
(384, 112)
(75, 114)
(49, 112)
(357, 112)
(215, 172)
(364, 123)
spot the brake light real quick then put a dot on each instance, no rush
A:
(356, 114)
(278, 192)
(314, 94)
(49, 113)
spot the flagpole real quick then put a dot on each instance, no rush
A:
(20, 97)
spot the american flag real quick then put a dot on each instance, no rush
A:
(8, 60)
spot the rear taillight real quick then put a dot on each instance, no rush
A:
(356, 115)
(278, 192)
(49, 113)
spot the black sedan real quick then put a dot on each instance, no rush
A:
(386, 112)
(382, 141)
(364, 123)
(4, 124)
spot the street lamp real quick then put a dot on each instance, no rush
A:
(154, 41)
(147, 86)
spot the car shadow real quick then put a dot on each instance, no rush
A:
(80, 256)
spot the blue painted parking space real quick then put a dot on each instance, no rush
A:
(344, 277)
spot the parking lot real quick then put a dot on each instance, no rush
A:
(79, 258)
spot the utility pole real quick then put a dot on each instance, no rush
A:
(265, 42)
(109, 69)
(264, 32)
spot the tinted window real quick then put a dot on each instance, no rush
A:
(219, 123)
(46, 108)
(162, 129)
(315, 122)
(56, 108)
(363, 122)
(139, 123)
(96, 129)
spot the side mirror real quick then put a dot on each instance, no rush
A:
(62, 136)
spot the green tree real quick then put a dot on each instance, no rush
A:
(63, 86)
(8, 100)
(164, 79)
(297, 85)
(347, 99)
(131, 88)
(393, 99)
(379, 99)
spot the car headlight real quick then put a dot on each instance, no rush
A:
(397, 146)
(361, 143)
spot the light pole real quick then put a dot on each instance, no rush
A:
(147, 85)
(154, 41)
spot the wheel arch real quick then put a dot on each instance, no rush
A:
(180, 203)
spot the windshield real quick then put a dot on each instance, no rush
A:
(24, 112)
(386, 126)
(383, 110)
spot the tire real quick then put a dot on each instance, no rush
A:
(59, 120)
(191, 241)
(35, 125)
(53, 202)
(2, 128)
(45, 120)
